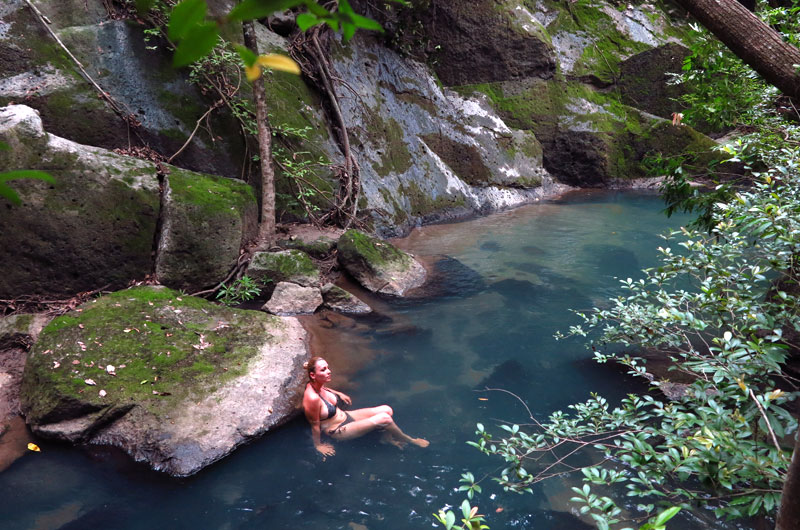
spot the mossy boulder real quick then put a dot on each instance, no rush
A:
(206, 221)
(378, 265)
(283, 266)
(318, 248)
(94, 227)
(176, 381)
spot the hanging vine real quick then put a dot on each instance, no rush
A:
(309, 50)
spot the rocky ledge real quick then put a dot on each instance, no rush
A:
(175, 381)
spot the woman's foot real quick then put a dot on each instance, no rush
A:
(387, 438)
(420, 442)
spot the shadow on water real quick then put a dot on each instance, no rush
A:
(504, 286)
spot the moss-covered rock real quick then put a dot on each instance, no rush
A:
(94, 227)
(206, 220)
(283, 266)
(174, 380)
(319, 248)
(378, 265)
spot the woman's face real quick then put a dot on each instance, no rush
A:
(322, 372)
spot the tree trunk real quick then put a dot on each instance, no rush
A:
(751, 40)
(789, 512)
(266, 227)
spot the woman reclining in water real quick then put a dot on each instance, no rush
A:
(321, 405)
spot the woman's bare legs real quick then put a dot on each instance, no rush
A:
(367, 420)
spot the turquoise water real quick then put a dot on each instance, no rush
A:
(505, 286)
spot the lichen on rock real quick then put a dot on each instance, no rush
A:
(174, 380)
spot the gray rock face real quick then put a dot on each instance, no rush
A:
(177, 382)
(292, 299)
(379, 266)
(21, 330)
(485, 40)
(340, 300)
(644, 79)
(428, 153)
(141, 81)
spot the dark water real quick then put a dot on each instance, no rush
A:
(506, 287)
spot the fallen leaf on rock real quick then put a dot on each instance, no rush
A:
(144, 382)
(33, 447)
(269, 410)
(56, 364)
(126, 330)
(76, 361)
(122, 366)
(110, 370)
(102, 393)
(89, 382)
(82, 345)
(80, 326)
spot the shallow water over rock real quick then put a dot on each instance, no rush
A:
(516, 276)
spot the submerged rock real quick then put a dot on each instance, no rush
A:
(175, 381)
(377, 265)
(342, 301)
(292, 299)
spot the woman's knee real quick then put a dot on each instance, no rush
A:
(386, 409)
(383, 419)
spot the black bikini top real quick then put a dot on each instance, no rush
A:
(331, 408)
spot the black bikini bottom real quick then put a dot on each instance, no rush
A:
(338, 429)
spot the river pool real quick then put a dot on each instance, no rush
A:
(505, 284)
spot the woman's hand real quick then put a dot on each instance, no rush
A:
(345, 398)
(326, 449)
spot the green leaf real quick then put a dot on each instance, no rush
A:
(307, 20)
(9, 194)
(197, 43)
(450, 520)
(246, 54)
(316, 9)
(252, 9)
(662, 518)
(348, 30)
(4, 147)
(185, 16)
(366, 23)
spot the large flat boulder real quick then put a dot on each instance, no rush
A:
(378, 265)
(176, 381)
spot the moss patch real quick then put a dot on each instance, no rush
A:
(164, 347)
(356, 245)
(395, 157)
(423, 205)
(464, 160)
